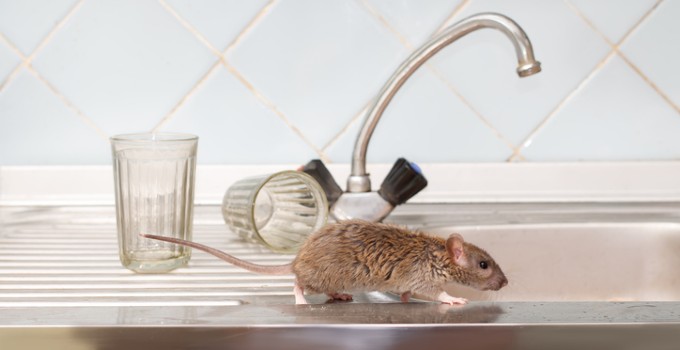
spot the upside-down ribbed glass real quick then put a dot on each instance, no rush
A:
(154, 184)
(279, 210)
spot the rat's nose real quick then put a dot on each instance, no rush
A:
(500, 282)
(496, 283)
(504, 282)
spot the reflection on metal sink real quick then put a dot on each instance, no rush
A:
(579, 262)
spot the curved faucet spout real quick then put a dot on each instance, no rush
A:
(526, 65)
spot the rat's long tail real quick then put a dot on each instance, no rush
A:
(263, 269)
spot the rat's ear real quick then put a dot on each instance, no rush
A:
(455, 247)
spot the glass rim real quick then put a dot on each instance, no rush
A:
(154, 137)
(308, 180)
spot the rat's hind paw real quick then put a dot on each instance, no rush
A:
(299, 294)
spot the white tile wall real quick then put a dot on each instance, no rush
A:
(282, 81)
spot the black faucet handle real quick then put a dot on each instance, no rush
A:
(316, 169)
(403, 182)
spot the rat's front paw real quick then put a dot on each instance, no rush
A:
(455, 301)
(447, 299)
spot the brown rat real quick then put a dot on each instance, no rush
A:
(356, 255)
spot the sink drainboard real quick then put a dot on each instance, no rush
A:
(68, 257)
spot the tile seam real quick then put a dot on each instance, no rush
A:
(188, 26)
(55, 29)
(68, 103)
(638, 23)
(471, 107)
(637, 69)
(385, 23)
(344, 130)
(17, 69)
(194, 89)
(589, 22)
(253, 22)
(649, 82)
(456, 11)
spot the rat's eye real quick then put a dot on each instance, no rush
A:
(484, 265)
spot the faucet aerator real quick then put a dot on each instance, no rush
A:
(529, 69)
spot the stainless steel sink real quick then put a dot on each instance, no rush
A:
(581, 275)
(580, 261)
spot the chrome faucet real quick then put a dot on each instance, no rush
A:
(358, 201)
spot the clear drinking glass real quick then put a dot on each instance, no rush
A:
(154, 183)
(279, 210)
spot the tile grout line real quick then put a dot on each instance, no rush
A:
(194, 89)
(617, 47)
(184, 23)
(472, 108)
(637, 69)
(54, 30)
(253, 22)
(17, 69)
(355, 119)
(632, 29)
(68, 103)
(385, 23)
(649, 82)
(453, 15)
(270, 105)
(613, 52)
(26, 60)
(26, 63)
(590, 23)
